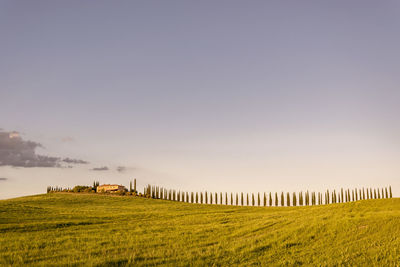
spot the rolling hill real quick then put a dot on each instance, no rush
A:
(100, 230)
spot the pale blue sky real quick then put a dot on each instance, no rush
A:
(208, 95)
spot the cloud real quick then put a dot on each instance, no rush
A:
(121, 168)
(105, 168)
(16, 152)
(74, 161)
(3, 179)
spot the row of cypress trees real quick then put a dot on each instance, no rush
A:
(289, 199)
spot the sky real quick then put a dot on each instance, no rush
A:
(231, 96)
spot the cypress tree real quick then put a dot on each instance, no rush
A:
(294, 199)
(341, 195)
(300, 198)
(312, 198)
(288, 199)
(130, 186)
(356, 194)
(247, 200)
(379, 194)
(390, 191)
(363, 193)
(276, 199)
(382, 194)
(265, 199)
(231, 199)
(211, 198)
(226, 198)
(375, 194)
(216, 198)
(252, 199)
(282, 199)
(327, 194)
(270, 199)
(386, 193)
(258, 199)
(197, 198)
(237, 199)
(134, 185)
(307, 198)
(201, 197)
(242, 199)
(220, 198)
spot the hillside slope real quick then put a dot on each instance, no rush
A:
(57, 229)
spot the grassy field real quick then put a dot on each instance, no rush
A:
(83, 229)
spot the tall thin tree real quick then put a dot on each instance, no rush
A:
(294, 199)
(270, 199)
(265, 199)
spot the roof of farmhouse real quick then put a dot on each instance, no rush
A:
(110, 185)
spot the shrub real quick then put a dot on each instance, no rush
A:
(80, 188)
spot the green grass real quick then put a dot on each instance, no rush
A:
(87, 229)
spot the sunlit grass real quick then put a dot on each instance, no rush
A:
(68, 229)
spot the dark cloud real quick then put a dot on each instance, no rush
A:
(16, 152)
(121, 168)
(3, 179)
(105, 168)
(74, 161)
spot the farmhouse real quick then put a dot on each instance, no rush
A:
(110, 188)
